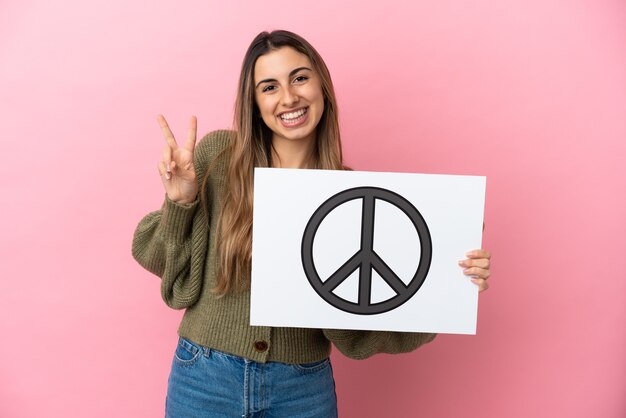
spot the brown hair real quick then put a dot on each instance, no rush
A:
(252, 147)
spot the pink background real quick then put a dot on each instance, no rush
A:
(530, 93)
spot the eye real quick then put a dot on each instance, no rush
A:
(300, 78)
(268, 88)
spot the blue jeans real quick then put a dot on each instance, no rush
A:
(208, 383)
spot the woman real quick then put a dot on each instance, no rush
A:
(199, 243)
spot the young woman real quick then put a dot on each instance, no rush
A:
(199, 243)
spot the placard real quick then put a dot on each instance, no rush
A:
(364, 250)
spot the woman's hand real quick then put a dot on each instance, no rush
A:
(477, 266)
(177, 172)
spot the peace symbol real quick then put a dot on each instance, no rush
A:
(366, 258)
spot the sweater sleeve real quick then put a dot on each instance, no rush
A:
(172, 242)
(360, 345)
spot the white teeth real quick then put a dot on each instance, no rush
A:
(293, 115)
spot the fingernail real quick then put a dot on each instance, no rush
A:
(462, 263)
(167, 175)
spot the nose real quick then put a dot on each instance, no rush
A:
(289, 97)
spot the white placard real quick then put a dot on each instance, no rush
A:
(364, 250)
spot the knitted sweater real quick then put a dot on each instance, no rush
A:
(177, 243)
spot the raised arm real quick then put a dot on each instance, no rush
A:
(172, 242)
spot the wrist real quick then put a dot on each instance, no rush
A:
(182, 201)
(185, 201)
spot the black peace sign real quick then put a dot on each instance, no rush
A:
(366, 258)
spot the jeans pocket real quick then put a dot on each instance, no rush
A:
(312, 367)
(187, 352)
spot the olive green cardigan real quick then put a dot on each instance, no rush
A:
(176, 244)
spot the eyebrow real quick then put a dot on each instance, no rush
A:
(269, 80)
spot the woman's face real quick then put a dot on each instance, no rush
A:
(289, 94)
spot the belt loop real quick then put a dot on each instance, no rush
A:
(206, 351)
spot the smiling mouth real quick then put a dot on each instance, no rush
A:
(294, 117)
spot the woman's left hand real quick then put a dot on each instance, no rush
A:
(477, 266)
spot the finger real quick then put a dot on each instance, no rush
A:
(483, 263)
(167, 158)
(167, 133)
(480, 253)
(477, 272)
(481, 283)
(191, 134)
(163, 170)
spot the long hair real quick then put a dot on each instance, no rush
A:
(252, 146)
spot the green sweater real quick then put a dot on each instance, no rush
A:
(176, 244)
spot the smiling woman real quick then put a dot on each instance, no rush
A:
(290, 98)
(199, 243)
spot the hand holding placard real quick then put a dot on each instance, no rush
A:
(477, 266)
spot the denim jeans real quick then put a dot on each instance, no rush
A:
(205, 382)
